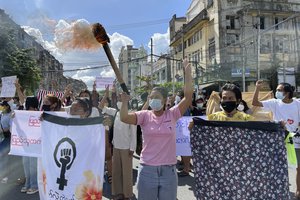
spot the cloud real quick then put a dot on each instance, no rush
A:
(78, 58)
(118, 40)
(161, 43)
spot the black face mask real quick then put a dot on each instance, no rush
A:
(229, 106)
(46, 108)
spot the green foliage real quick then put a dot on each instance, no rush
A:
(148, 87)
(17, 61)
(21, 63)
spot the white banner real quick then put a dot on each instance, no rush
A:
(73, 158)
(8, 86)
(101, 82)
(183, 145)
(26, 137)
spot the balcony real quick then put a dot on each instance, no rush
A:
(201, 17)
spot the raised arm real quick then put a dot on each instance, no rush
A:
(67, 93)
(19, 92)
(104, 98)
(255, 101)
(128, 118)
(188, 88)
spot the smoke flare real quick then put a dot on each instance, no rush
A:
(77, 35)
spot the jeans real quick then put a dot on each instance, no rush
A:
(30, 170)
(157, 182)
(4, 157)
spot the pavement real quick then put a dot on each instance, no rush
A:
(11, 191)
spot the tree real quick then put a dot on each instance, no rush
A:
(21, 63)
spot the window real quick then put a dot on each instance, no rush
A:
(211, 48)
(230, 22)
(262, 22)
(276, 21)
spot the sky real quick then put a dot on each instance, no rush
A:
(131, 22)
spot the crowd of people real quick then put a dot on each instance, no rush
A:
(147, 127)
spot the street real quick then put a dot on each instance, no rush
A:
(11, 191)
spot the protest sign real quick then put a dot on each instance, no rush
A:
(8, 86)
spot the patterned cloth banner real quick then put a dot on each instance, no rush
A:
(26, 137)
(239, 160)
(72, 158)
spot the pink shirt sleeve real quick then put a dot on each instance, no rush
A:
(140, 116)
(175, 112)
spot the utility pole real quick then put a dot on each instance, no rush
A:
(151, 61)
(297, 43)
(243, 71)
(258, 47)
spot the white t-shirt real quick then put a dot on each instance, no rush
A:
(124, 134)
(287, 112)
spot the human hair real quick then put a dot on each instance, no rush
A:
(85, 91)
(85, 104)
(233, 88)
(246, 107)
(53, 99)
(162, 91)
(31, 102)
(288, 88)
(5, 103)
(90, 96)
(134, 101)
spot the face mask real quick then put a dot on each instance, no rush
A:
(177, 99)
(156, 104)
(46, 108)
(279, 95)
(199, 105)
(228, 106)
(119, 105)
(241, 107)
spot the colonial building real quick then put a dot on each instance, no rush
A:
(133, 63)
(51, 69)
(238, 40)
(162, 69)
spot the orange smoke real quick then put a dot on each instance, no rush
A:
(77, 35)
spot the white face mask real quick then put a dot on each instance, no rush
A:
(119, 105)
(177, 99)
(199, 105)
(156, 104)
(279, 95)
(241, 107)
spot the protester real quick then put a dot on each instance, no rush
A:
(157, 178)
(243, 107)
(198, 107)
(5, 144)
(51, 103)
(87, 94)
(124, 145)
(30, 163)
(231, 96)
(284, 108)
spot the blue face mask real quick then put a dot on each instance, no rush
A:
(279, 95)
(156, 104)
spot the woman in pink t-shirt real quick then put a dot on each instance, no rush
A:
(157, 178)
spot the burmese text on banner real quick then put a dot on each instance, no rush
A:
(72, 158)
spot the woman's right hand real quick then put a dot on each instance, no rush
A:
(125, 97)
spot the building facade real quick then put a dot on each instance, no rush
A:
(239, 40)
(133, 63)
(162, 69)
(51, 68)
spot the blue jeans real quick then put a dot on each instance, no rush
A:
(4, 157)
(30, 170)
(157, 182)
